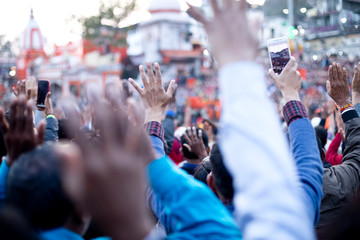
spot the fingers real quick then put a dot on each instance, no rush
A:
(28, 118)
(229, 4)
(187, 139)
(13, 109)
(171, 89)
(194, 133)
(22, 87)
(158, 75)
(344, 75)
(187, 147)
(242, 5)
(136, 86)
(143, 77)
(215, 7)
(150, 74)
(48, 95)
(40, 133)
(20, 115)
(196, 14)
(4, 126)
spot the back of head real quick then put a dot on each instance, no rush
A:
(322, 134)
(34, 187)
(222, 178)
(187, 154)
(202, 171)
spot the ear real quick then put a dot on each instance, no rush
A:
(208, 150)
(210, 182)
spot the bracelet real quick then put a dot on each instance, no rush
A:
(50, 115)
(346, 107)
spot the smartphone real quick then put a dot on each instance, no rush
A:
(43, 89)
(279, 53)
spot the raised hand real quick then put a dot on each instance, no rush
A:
(153, 94)
(289, 81)
(19, 133)
(229, 34)
(195, 143)
(107, 176)
(337, 86)
(355, 85)
(48, 104)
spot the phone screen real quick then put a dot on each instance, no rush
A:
(43, 89)
(279, 54)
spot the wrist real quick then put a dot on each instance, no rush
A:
(343, 102)
(291, 96)
(153, 115)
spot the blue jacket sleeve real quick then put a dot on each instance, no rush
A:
(4, 172)
(307, 159)
(51, 130)
(158, 146)
(195, 210)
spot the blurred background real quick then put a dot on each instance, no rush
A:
(75, 44)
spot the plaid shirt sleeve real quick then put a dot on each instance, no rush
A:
(154, 129)
(294, 110)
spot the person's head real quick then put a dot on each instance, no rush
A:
(202, 171)
(220, 180)
(34, 187)
(190, 155)
(322, 134)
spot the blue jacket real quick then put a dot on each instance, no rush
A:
(185, 206)
(307, 159)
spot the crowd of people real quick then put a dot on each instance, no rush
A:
(127, 171)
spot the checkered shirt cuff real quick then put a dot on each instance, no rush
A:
(154, 129)
(294, 110)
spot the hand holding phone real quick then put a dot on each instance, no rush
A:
(43, 89)
(279, 53)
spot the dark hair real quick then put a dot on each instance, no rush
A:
(322, 134)
(34, 187)
(14, 226)
(202, 171)
(187, 154)
(222, 178)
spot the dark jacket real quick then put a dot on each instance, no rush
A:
(342, 182)
(169, 129)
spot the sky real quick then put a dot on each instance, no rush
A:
(54, 17)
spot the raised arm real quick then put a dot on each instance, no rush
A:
(341, 182)
(186, 208)
(302, 136)
(267, 197)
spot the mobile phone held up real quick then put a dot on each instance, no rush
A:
(279, 53)
(43, 89)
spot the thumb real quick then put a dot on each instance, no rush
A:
(187, 146)
(291, 63)
(171, 89)
(328, 86)
(272, 74)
